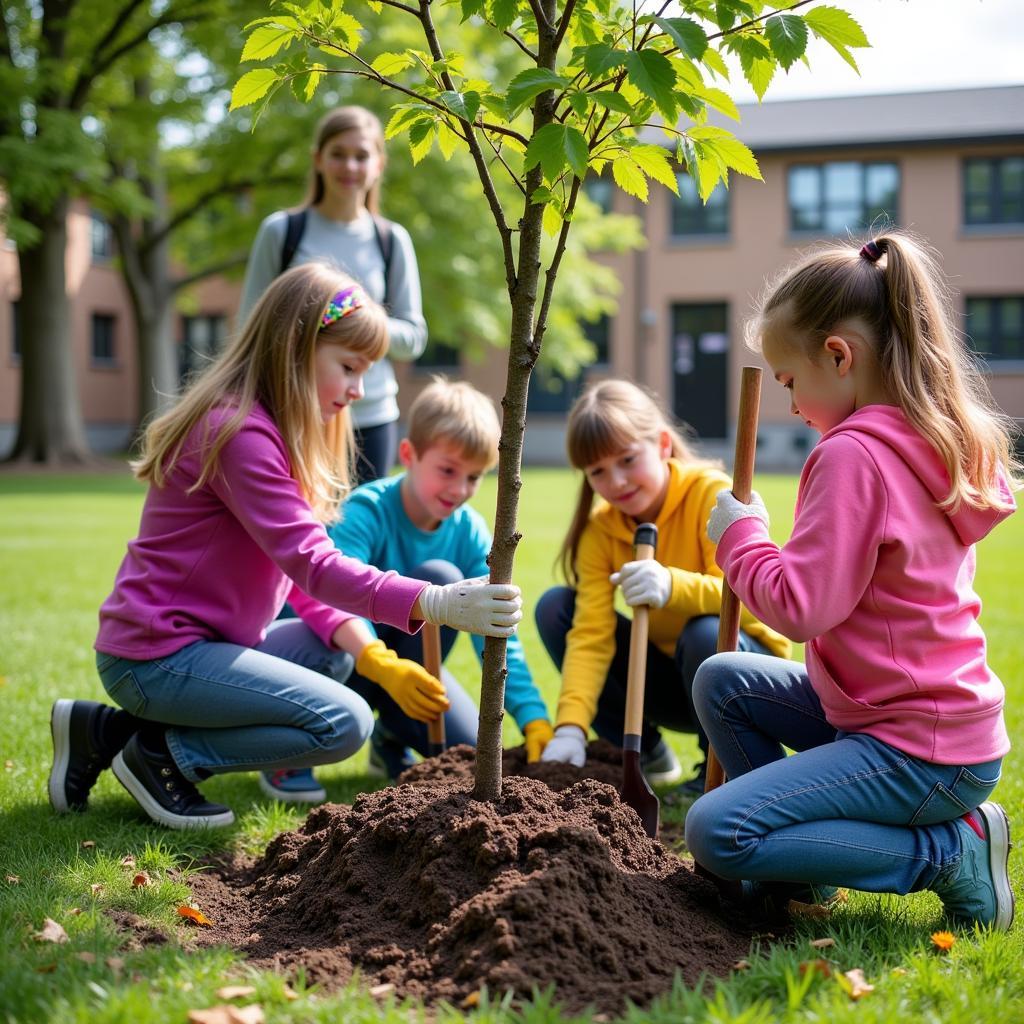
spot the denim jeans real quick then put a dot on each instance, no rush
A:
(231, 708)
(460, 720)
(846, 809)
(668, 697)
(376, 448)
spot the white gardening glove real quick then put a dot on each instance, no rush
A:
(476, 606)
(645, 582)
(729, 510)
(569, 746)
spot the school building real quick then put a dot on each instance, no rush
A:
(948, 165)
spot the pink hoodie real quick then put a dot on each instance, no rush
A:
(880, 583)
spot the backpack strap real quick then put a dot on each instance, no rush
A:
(296, 226)
(383, 229)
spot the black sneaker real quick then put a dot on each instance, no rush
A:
(86, 736)
(152, 777)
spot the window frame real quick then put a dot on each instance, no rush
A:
(676, 203)
(864, 223)
(994, 194)
(103, 362)
(994, 364)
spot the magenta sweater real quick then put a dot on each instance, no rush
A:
(218, 564)
(879, 582)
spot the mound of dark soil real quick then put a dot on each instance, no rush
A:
(425, 888)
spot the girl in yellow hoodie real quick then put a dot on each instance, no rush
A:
(643, 472)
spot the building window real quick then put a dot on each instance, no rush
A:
(202, 339)
(600, 191)
(843, 196)
(995, 327)
(101, 236)
(692, 216)
(103, 352)
(994, 190)
(551, 392)
(598, 334)
(15, 333)
(438, 355)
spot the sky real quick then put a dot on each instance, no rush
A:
(915, 45)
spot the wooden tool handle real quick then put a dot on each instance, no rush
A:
(432, 663)
(742, 480)
(646, 539)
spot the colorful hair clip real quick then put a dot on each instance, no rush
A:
(871, 252)
(348, 300)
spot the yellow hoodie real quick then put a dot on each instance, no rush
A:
(684, 548)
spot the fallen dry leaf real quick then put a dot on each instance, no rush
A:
(141, 879)
(473, 999)
(46, 968)
(86, 957)
(289, 993)
(819, 966)
(235, 991)
(227, 1014)
(382, 991)
(9, 765)
(196, 916)
(13, 880)
(115, 963)
(74, 911)
(822, 943)
(50, 932)
(88, 844)
(943, 940)
(741, 965)
(898, 972)
(854, 983)
(96, 888)
(128, 861)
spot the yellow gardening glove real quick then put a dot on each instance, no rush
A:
(537, 734)
(410, 685)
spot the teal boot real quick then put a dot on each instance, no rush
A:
(976, 889)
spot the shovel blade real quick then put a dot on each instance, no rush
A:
(636, 792)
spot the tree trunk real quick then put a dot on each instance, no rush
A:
(50, 425)
(522, 356)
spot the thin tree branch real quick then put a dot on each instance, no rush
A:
(497, 153)
(6, 51)
(401, 7)
(230, 263)
(541, 17)
(552, 272)
(759, 18)
(563, 24)
(120, 20)
(521, 44)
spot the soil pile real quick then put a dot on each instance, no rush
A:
(423, 887)
(604, 764)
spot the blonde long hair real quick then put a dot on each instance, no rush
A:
(904, 299)
(608, 417)
(335, 122)
(271, 361)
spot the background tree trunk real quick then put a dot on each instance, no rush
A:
(50, 424)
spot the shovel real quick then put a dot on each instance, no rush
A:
(432, 663)
(742, 477)
(636, 791)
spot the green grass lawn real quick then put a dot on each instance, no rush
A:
(61, 540)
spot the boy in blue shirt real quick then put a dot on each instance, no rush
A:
(419, 525)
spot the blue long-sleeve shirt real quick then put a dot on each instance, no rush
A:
(375, 529)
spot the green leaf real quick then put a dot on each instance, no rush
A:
(601, 58)
(839, 30)
(687, 34)
(251, 86)
(787, 36)
(612, 101)
(529, 84)
(304, 86)
(462, 104)
(388, 64)
(496, 104)
(555, 147)
(652, 73)
(471, 7)
(721, 101)
(629, 177)
(712, 60)
(728, 148)
(265, 41)
(552, 220)
(404, 116)
(542, 195)
(421, 138)
(579, 102)
(447, 140)
(348, 28)
(503, 12)
(654, 162)
(759, 74)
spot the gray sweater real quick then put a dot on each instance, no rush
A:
(354, 249)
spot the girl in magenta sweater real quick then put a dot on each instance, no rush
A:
(244, 472)
(897, 718)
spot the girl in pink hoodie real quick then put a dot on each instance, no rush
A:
(896, 718)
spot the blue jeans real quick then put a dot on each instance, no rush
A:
(846, 809)
(460, 720)
(230, 708)
(667, 693)
(376, 448)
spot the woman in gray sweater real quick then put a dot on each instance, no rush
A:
(339, 224)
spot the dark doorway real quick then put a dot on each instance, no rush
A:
(699, 351)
